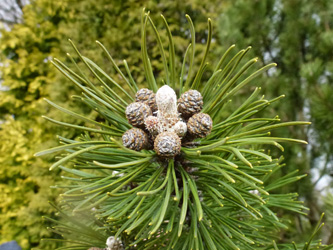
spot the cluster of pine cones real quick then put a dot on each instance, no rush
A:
(161, 122)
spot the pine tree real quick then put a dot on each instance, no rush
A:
(297, 35)
(27, 78)
(216, 193)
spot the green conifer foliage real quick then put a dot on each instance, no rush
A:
(219, 193)
(297, 35)
(27, 78)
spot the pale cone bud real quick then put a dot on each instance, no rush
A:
(180, 128)
(167, 124)
(110, 241)
(114, 243)
(152, 124)
(166, 100)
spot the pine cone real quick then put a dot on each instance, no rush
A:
(136, 113)
(148, 97)
(152, 124)
(114, 244)
(180, 128)
(200, 125)
(167, 144)
(135, 139)
(190, 103)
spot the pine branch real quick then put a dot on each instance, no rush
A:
(216, 194)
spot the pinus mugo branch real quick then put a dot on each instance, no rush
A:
(218, 193)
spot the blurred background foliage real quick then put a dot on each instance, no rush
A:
(296, 34)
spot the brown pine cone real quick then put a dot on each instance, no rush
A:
(167, 144)
(190, 103)
(136, 113)
(200, 125)
(135, 139)
(148, 97)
